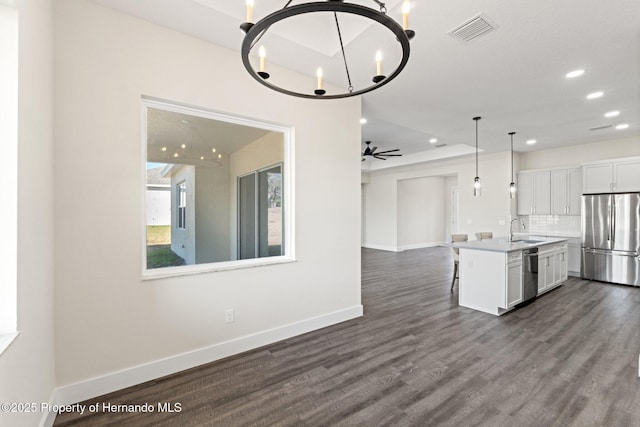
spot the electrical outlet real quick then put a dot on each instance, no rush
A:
(502, 222)
(229, 316)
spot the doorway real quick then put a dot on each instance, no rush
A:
(454, 209)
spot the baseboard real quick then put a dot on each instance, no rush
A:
(380, 247)
(119, 380)
(419, 246)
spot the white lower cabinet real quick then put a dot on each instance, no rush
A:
(552, 267)
(573, 259)
(514, 283)
(545, 271)
(561, 272)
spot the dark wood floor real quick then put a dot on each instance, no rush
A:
(417, 358)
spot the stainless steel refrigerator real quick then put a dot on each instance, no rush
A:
(611, 238)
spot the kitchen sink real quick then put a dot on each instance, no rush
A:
(526, 241)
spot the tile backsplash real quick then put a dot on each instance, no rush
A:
(550, 225)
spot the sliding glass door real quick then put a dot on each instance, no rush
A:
(260, 231)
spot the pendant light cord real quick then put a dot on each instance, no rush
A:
(511, 157)
(476, 119)
(476, 148)
(344, 57)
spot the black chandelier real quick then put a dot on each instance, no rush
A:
(255, 31)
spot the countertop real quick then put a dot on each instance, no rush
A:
(501, 244)
(567, 234)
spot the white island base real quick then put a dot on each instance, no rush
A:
(491, 272)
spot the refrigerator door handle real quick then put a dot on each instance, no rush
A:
(613, 219)
(609, 212)
(617, 253)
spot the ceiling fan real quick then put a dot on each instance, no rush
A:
(382, 155)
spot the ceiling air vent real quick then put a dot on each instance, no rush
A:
(601, 127)
(473, 28)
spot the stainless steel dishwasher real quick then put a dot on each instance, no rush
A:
(529, 274)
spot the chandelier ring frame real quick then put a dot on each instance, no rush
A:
(256, 30)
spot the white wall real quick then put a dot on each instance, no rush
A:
(212, 220)
(489, 212)
(575, 155)
(27, 366)
(421, 212)
(107, 318)
(159, 206)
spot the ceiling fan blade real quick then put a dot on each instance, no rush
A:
(363, 159)
(373, 149)
(389, 151)
(390, 155)
(378, 157)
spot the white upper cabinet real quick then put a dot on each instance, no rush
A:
(542, 193)
(613, 176)
(574, 197)
(534, 193)
(566, 191)
(598, 178)
(560, 191)
(525, 193)
(626, 176)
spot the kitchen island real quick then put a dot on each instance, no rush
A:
(496, 274)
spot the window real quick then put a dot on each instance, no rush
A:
(217, 191)
(182, 205)
(8, 174)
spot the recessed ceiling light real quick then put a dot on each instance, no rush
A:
(531, 142)
(574, 73)
(213, 150)
(612, 114)
(433, 140)
(183, 146)
(622, 126)
(164, 148)
(185, 121)
(363, 121)
(595, 95)
(175, 154)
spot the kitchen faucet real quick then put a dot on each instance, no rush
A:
(511, 227)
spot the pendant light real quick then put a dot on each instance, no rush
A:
(476, 180)
(512, 186)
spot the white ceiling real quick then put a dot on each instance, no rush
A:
(514, 76)
(185, 139)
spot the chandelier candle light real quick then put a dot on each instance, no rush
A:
(263, 54)
(255, 31)
(319, 90)
(378, 77)
(476, 180)
(249, 10)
